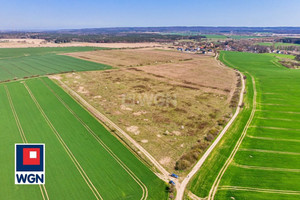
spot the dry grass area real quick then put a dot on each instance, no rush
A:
(174, 110)
(201, 71)
(132, 57)
(24, 43)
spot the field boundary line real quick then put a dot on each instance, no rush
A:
(194, 197)
(105, 120)
(68, 151)
(278, 111)
(279, 119)
(21, 69)
(270, 151)
(46, 67)
(33, 67)
(275, 128)
(181, 188)
(274, 139)
(216, 183)
(4, 67)
(42, 59)
(265, 168)
(97, 138)
(270, 93)
(273, 104)
(250, 189)
(277, 64)
(23, 136)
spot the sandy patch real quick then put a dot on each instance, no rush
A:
(133, 129)
(165, 160)
(123, 107)
(97, 97)
(82, 90)
(144, 141)
(139, 113)
(57, 77)
(177, 133)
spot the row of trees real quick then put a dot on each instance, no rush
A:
(102, 38)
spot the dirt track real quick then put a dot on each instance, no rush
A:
(164, 173)
(182, 186)
(214, 188)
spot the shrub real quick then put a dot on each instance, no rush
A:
(209, 137)
(182, 164)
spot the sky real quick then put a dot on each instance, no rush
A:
(68, 14)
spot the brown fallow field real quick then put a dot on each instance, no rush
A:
(25, 43)
(174, 104)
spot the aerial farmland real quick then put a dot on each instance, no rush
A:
(150, 100)
(85, 157)
(264, 162)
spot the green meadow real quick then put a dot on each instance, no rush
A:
(17, 63)
(266, 165)
(214, 36)
(277, 44)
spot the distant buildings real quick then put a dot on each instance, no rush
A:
(201, 50)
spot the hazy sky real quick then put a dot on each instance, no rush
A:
(57, 14)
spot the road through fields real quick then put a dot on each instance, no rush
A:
(264, 163)
(138, 181)
(164, 173)
(181, 187)
(216, 183)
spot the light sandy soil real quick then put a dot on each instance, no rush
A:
(19, 43)
(188, 109)
(132, 57)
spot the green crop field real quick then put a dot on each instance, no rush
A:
(214, 36)
(280, 55)
(266, 164)
(277, 44)
(16, 63)
(239, 37)
(83, 159)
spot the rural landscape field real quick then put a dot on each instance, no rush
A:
(263, 163)
(150, 100)
(16, 63)
(85, 160)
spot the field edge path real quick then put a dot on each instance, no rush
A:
(216, 183)
(182, 186)
(164, 173)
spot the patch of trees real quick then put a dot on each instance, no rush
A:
(290, 40)
(102, 37)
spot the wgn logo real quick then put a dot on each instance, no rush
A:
(30, 164)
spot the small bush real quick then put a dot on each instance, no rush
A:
(209, 137)
(213, 115)
(182, 164)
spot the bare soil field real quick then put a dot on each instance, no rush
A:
(201, 71)
(174, 110)
(19, 43)
(133, 57)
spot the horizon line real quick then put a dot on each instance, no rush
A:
(115, 27)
